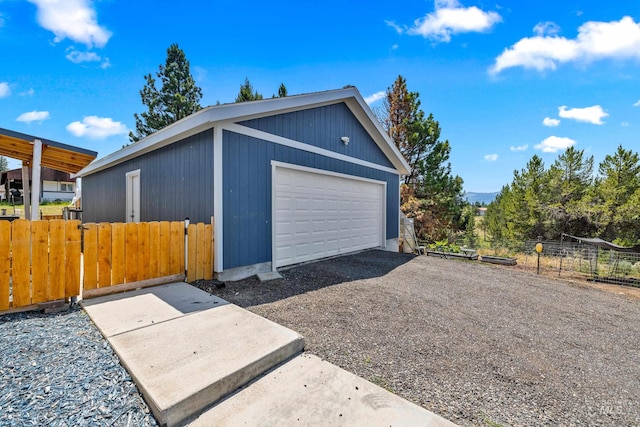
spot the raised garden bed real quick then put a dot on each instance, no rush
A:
(498, 260)
(471, 257)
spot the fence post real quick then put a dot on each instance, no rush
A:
(539, 251)
(186, 246)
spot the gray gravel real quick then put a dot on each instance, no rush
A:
(57, 370)
(478, 344)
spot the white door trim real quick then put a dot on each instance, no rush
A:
(274, 168)
(132, 213)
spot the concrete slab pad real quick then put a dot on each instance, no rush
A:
(270, 275)
(183, 365)
(115, 314)
(307, 391)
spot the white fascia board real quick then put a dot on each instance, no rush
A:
(375, 130)
(181, 129)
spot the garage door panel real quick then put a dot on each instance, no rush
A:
(319, 215)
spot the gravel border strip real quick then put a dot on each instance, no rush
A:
(58, 370)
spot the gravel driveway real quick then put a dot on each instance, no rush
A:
(475, 343)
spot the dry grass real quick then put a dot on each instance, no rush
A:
(48, 209)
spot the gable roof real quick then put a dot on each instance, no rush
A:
(55, 155)
(230, 113)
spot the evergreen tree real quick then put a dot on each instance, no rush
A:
(247, 93)
(178, 96)
(438, 195)
(399, 109)
(4, 164)
(518, 212)
(616, 191)
(282, 91)
(570, 178)
(567, 199)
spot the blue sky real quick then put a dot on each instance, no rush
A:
(505, 79)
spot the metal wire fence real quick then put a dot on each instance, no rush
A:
(582, 261)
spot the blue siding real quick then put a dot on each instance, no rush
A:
(247, 194)
(323, 127)
(176, 182)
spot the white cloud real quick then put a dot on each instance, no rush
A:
(553, 144)
(395, 26)
(450, 17)
(5, 90)
(33, 116)
(375, 97)
(592, 115)
(595, 41)
(72, 19)
(29, 92)
(78, 57)
(95, 127)
(546, 29)
(519, 147)
(625, 124)
(491, 157)
(548, 121)
(637, 103)
(394, 47)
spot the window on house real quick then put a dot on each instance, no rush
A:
(68, 187)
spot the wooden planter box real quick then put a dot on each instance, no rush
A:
(471, 257)
(499, 260)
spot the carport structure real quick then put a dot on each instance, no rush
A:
(35, 152)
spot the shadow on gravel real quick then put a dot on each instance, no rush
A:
(307, 277)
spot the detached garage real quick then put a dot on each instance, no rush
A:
(288, 180)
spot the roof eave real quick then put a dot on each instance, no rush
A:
(208, 117)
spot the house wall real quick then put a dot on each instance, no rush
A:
(52, 190)
(323, 127)
(176, 182)
(247, 194)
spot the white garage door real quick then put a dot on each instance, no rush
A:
(316, 215)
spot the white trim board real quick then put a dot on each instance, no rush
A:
(265, 136)
(218, 200)
(132, 194)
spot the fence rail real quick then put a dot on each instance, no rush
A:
(42, 261)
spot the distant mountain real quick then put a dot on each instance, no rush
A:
(480, 197)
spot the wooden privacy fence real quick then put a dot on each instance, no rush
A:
(39, 261)
(43, 261)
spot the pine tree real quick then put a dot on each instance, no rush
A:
(247, 93)
(4, 164)
(617, 191)
(282, 91)
(178, 96)
(417, 136)
(399, 109)
(570, 178)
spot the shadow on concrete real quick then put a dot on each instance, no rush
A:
(307, 277)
